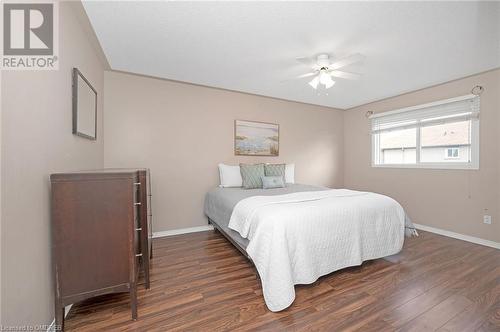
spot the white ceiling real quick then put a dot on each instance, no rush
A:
(252, 46)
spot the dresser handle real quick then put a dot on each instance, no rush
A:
(137, 183)
(138, 255)
(139, 229)
(138, 203)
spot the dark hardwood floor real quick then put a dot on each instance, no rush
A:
(200, 282)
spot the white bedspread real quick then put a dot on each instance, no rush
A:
(296, 238)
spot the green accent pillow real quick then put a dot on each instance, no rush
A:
(252, 175)
(272, 182)
(275, 170)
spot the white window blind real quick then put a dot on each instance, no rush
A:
(450, 110)
(412, 136)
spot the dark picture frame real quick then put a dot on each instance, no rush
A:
(84, 106)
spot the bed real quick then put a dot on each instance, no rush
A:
(220, 202)
(296, 234)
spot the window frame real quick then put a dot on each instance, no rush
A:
(474, 144)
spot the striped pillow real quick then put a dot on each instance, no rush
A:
(252, 175)
(275, 170)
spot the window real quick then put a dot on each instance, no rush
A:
(443, 134)
(452, 153)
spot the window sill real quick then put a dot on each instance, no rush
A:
(458, 166)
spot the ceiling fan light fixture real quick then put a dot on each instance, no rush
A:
(314, 82)
(329, 84)
(324, 78)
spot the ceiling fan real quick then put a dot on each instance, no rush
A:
(324, 69)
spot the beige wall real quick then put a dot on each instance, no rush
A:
(36, 141)
(453, 200)
(183, 131)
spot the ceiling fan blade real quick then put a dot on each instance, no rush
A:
(305, 60)
(306, 75)
(343, 74)
(299, 77)
(346, 61)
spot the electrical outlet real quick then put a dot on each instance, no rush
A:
(487, 219)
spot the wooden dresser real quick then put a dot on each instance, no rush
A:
(101, 234)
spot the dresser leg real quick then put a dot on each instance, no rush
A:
(146, 272)
(145, 259)
(133, 301)
(59, 319)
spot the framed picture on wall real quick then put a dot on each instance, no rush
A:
(252, 138)
(84, 107)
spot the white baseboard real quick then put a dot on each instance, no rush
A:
(183, 231)
(53, 324)
(458, 236)
(430, 229)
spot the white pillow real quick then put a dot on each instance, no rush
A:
(290, 173)
(230, 176)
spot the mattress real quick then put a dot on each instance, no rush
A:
(220, 202)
